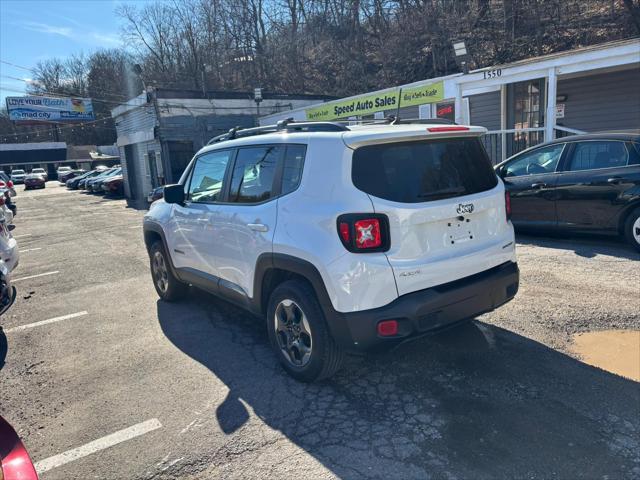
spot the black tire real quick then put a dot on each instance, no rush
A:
(325, 357)
(632, 228)
(168, 287)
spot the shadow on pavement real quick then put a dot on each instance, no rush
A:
(583, 245)
(474, 402)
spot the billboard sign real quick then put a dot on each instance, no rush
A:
(49, 109)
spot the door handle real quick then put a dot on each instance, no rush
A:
(615, 180)
(258, 227)
(538, 185)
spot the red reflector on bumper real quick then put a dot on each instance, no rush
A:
(388, 328)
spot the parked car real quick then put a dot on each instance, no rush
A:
(7, 297)
(17, 176)
(7, 183)
(418, 237)
(15, 463)
(41, 171)
(584, 183)
(155, 194)
(83, 183)
(62, 170)
(67, 175)
(34, 180)
(94, 185)
(73, 183)
(114, 185)
(9, 253)
(8, 202)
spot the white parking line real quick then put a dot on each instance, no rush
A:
(23, 235)
(30, 249)
(135, 226)
(34, 276)
(45, 322)
(97, 445)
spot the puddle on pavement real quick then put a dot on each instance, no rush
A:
(617, 351)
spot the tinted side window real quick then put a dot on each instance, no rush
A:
(253, 174)
(598, 154)
(292, 169)
(540, 161)
(207, 178)
(413, 172)
(634, 153)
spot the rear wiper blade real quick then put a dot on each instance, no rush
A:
(444, 191)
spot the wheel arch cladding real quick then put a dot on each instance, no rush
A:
(275, 268)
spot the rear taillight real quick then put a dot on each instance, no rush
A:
(368, 233)
(364, 232)
(2, 184)
(507, 204)
(345, 232)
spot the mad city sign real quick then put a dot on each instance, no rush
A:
(369, 104)
(49, 109)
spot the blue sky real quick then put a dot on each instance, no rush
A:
(34, 30)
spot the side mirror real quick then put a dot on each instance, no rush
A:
(174, 194)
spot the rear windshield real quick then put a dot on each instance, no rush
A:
(412, 172)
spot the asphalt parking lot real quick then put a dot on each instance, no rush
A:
(119, 385)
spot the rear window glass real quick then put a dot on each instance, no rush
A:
(412, 172)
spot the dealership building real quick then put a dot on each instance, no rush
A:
(521, 104)
(159, 131)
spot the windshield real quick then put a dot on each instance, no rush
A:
(17, 172)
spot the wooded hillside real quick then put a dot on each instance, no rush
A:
(332, 47)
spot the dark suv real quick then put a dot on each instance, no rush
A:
(582, 183)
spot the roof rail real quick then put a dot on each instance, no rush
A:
(445, 121)
(287, 125)
(291, 125)
(393, 120)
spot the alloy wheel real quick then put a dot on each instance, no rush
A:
(635, 229)
(160, 274)
(293, 333)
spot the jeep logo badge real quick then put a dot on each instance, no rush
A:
(464, 208)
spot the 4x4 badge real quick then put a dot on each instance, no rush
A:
(464, 208)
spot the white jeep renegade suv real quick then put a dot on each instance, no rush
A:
(344, 238)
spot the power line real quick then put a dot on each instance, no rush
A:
(17, 66)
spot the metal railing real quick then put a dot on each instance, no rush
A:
(501, 144)
(561, 132)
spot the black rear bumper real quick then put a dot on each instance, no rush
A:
(426, 310)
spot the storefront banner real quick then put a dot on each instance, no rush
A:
(423, 94)
(49, 109)
(364, 105)
(368, 104)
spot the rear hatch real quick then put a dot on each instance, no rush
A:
(445, 205)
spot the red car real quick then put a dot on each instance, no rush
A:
(114, 186)
(34, 180)
(15, 463)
